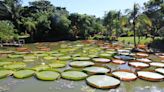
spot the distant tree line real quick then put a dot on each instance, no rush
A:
(43, 21)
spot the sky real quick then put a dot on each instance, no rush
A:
(93, 7)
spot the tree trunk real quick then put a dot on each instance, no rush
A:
(134, 30)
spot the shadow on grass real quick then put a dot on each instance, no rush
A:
(157, 45)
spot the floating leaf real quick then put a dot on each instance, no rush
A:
(74, 75)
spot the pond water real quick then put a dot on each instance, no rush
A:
(77, 48)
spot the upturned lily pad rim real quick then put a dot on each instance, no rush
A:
(125, 79)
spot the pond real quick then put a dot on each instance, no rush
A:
(94, 57)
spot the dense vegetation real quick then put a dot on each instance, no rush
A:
(46, 22)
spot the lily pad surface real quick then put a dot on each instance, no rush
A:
(101, 60)
(81, 58)
(123, 57)
(74, 75)
(57, 65)
(81, 63)
(18, 65)
(145, 60)
(102, 81)
(96, 70)
(157, 64)
(139, 64)
(49, 58)
(117, 61)
(23, 74)
(5, 73)
(124, 75)
(47, 75)
(160, 70)
(41, 67)
(150, 76)
(4, 63)
(65, 58)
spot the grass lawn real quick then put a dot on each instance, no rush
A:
(131, 40)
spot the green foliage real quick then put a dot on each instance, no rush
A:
(7, 31)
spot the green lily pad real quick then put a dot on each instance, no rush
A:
(101, 60)
(102, 81)
(49, 58)
(4, 63)
(5, 73)
(29, 57)
(74, 75)
(96, 70)
(47, 75)
(81, 58)
(41, 67)
(15, 56)
(105, 55)
(23, 74)
(57, 65)
(64, 58)
(17, 65)
(81, 63)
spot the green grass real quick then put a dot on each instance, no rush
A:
(131, 40)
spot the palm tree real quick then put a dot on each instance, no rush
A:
(138, 19)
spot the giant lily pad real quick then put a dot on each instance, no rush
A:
(29, 57)
(81, 58)
(57, 65)
(96, 70)
(65, 58)
(125, 75)
(123, 57)
(157, 64)
(4, 63)
(160, 70)
(139, 64)
(47, 75)
(5, 73)
(23, 74)
(105, 55)
(101, 60)
(145, 60)
(142, 54)
(17, 65)
(117, 61)
(41, 67)
(81, 63)
(102, 81)
(15, 56)
(49, 58)
(150, 76)
(74, 75)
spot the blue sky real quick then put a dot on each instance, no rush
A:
(93, 7)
